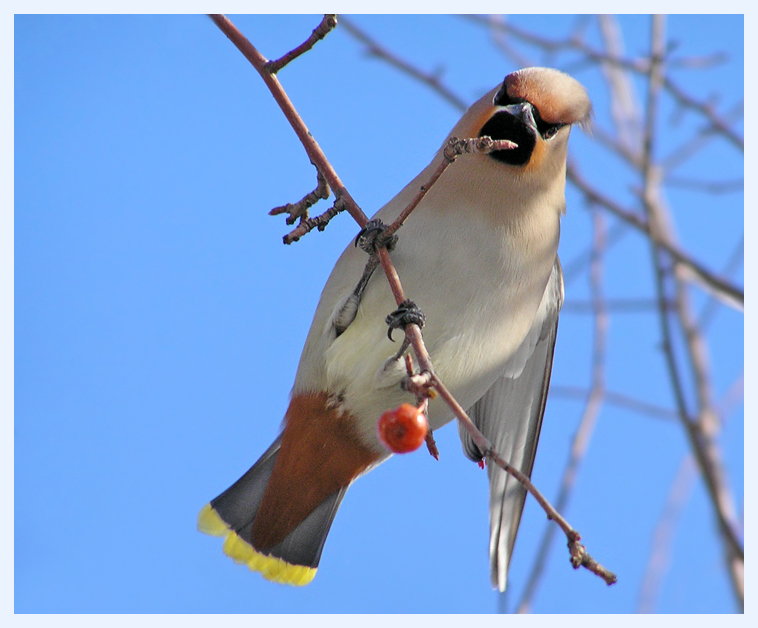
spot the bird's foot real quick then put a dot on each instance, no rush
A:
(407, 313)
(373, 237)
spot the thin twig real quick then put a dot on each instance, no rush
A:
(376, 49)
(319, 222)
(579, 555)
(300, 209)
(716, 122)
(620, 306)
(735, 261)
(616, 399)
(454, 148)
(677, 156)
(313, 150)
(663, 536)
(710, 187)
(327, 24)
(718, 286)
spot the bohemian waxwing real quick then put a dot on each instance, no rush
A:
(479, 258)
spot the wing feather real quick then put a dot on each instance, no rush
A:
(510, 416)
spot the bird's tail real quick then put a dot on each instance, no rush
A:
(231, 515)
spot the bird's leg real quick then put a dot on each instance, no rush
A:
(349, 309)
(370, 239)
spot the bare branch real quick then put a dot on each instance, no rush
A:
(454, 148)
(717, 124)
(673, 266)
(310, 145)
(621, 306)
(703, 432)
(699, 432)
(374, 48)
(723, 289)
(617, 399)
(663, 537)
(319, 222)
(327, 24)
(300, 209)
(655, 227)
(731, 295)
(710, 187)
(624, 108)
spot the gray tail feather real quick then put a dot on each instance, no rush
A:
(238, 505)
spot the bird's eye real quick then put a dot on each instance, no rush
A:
(550, 131)
(546, 129)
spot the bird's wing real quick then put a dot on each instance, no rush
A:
(510, 416)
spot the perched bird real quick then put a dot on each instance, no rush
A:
(479, 258)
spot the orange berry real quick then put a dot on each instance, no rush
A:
(403, 429)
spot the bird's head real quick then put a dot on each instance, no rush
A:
(535, 108)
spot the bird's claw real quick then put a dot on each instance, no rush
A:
(373, 237)
(407, 313)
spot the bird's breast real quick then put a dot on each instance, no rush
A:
(479, 286)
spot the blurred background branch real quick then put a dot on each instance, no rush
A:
(643, 96)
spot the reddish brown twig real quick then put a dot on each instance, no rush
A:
(454, 148)
(579, 554)
(318, 222)
(328, 24)
(313, 150)
(300, 209)
(421, 387)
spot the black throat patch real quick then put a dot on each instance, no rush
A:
(504, 126)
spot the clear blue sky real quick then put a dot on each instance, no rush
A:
(159, 320)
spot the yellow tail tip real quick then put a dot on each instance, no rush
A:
(241, 552)
(209, 522)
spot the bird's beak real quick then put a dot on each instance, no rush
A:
(523, 111)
